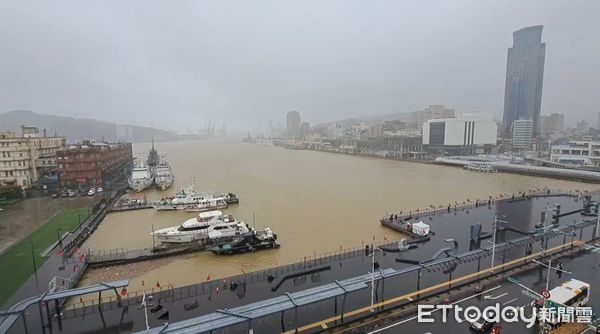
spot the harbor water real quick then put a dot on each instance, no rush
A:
(316, 202)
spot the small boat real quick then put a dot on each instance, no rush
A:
(248, 242)
(231, 198)
(208, 205)
(185, 198)
(227, 229)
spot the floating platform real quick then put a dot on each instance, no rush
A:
(130, 204)
(129, 208)
(403, 226)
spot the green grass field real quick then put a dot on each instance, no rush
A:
(16, 264)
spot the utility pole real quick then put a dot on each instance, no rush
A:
(548, 273)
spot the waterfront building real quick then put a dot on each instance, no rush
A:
(460, 136)
(524, 78)
(94, 163)
(576, 152)
(522, 134)
(293, 124)
(552, 124)
(25, 159)
(357, 131)
(304, 130)
(435, 111)
(334, 131)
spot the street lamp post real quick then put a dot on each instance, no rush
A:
(545, 228)
(496, 221)
(37, 284)
(597, 226)
(374, 249)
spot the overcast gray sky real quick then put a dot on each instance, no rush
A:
(179, 64)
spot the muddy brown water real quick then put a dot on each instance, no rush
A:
(314, 201)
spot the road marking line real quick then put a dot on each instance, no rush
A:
(437, 309)
(494, 298)
(510, 301)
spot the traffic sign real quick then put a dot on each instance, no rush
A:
(545, 293)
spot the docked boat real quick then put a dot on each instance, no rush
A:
(208, 204)
(192, 229)
(185, 198)
(248, 242)
(141, 178)
(231, 198)
(227, 229)
(163, 175)
(484, 167)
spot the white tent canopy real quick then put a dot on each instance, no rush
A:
(420, 228)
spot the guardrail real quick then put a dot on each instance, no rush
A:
(205, 288)
(468, 204)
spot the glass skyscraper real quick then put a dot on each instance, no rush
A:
(524, 78)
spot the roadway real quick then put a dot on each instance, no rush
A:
(585, 268)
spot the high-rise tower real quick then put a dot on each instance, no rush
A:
(524, 78)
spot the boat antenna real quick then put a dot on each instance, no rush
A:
(254, 218)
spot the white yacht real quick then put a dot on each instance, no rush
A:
(163, 175)
(141, 178)
(208, 204)
(185, 198)
(227, 229)
(192, 229)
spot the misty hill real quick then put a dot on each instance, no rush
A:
(76, 129)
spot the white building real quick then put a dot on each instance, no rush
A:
(464, 135)
(522, 134)
(23, 160)
(577, 152)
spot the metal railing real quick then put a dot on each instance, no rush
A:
(468, 204)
